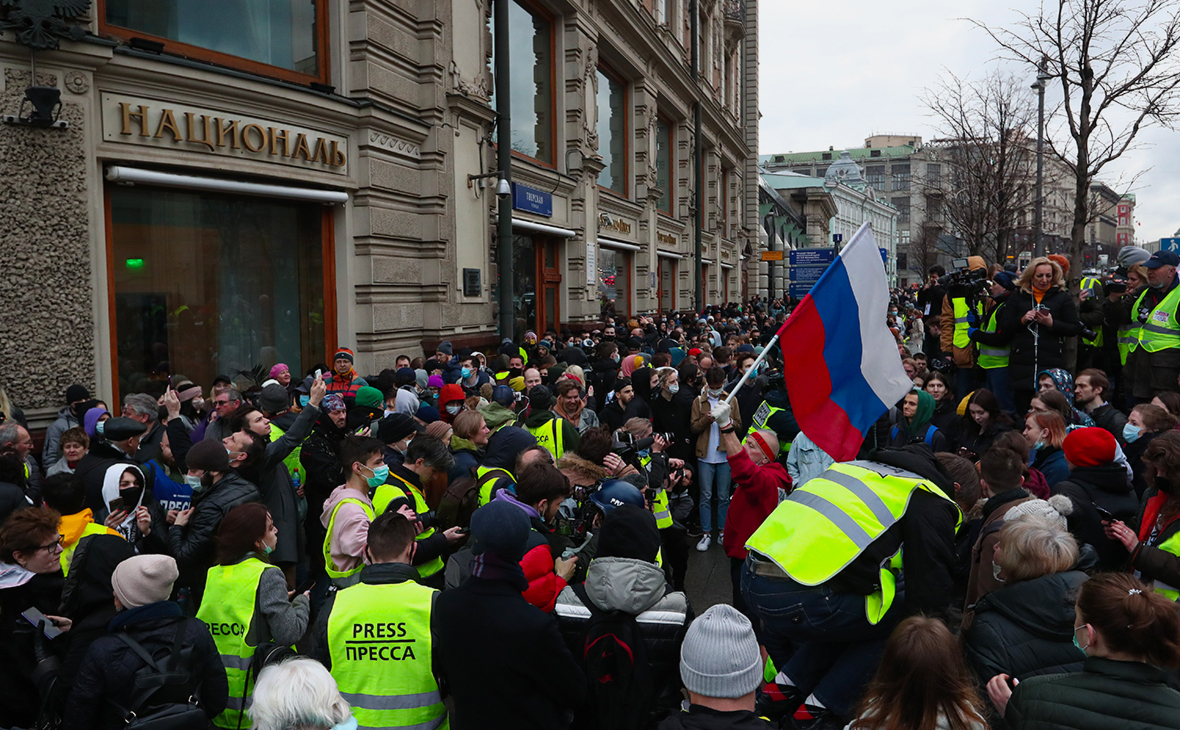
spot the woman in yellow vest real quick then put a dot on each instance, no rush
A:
(1155, 547)
(246, 603)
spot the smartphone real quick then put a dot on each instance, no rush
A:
(117, 504)
(464, 530)
(319, 373)
(1105, 514)
(36, 618)
(306, 585)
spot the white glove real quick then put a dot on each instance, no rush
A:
(721, 414)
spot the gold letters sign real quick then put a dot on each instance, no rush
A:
(169, 125)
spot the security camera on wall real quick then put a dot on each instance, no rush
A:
(503, 189)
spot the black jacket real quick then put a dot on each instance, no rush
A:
(195, 545)
(976, 442)
(674, 416)
(1027, 359)
(1026, 629)
(12, 498)
(92, 469)
(612, 415)
(699, 717)
(1110, 418)
(1106, 694)
(1099, 486)
(1153, 562)
(108, 670)
(18, 694)
(278, 491)
(536, 683)
(602, 377)
(320, 457)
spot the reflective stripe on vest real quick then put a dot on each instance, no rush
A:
(380, 643)
(1171, 545)
(1161, 331)
(340, 577)
(549, 435)
(67, 554)
(228, 609)
(386, 493)
(761, 416)
(486, 478)
(961, 310)
(993, 356)
(828, 522)
(660, 508)
(1128, 340)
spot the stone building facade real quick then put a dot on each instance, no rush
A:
(233, 191)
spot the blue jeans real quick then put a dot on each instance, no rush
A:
(998, 382)
(714, 475)
(821, 639)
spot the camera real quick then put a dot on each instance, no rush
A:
(964, 276)
(503, 189)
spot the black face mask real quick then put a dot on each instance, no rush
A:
(515, 372)
(131, 496)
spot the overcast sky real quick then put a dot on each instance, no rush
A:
(834, 72)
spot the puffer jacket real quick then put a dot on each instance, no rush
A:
(195, 545)
(51, 451)
(1108, 487)
(537, 563)
(638, 588)
(1026, 629)
(108, 670)
(1106, 694)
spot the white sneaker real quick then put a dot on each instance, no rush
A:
(720, 537)
(703, 545)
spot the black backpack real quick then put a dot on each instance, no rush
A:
(621, 688)
(140, 713)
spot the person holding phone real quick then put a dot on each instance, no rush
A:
(1155, 546)
(132, 511)
(1097, 484)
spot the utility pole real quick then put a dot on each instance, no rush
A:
(504, 165)
(1039, 203)
(699, 173)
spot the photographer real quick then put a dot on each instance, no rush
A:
(668, 495)
(995, 346)
(960, 304)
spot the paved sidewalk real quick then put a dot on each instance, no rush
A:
(708, 577)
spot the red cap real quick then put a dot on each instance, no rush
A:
(695, 352)
(1089, 447)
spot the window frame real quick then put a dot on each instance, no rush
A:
(551, 19)
(610, 73)
(228, 60)
(671, 140)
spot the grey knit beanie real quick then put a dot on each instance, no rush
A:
(1055, 510)
(719, 656)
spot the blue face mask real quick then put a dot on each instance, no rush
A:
(1075, 639)
(1131, 433)
(304, 400)
(465, 372)
(380, 474)
(267, 549)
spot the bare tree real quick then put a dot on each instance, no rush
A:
(1118, 66)
(985, 130)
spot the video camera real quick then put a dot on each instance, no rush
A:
(964, 276)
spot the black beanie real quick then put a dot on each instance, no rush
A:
(629, 532)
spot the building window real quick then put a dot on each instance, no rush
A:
(666, 294)
(934, 175)
(612, 132)
(875, 175)
(821, 171)
(905, 237)
(934, 209)
(288, 37)
(614, 281)
(903, 209)
(665, 159)
(530, 36)
(901, 177)
(206, 284)
(723, 202)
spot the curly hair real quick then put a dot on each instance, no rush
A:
(1026, 277)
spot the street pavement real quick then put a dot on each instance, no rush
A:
(708, 577)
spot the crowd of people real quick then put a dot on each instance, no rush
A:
(500, 538)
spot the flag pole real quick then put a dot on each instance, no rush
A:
(758, 361)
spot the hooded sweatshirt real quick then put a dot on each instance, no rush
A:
(350, 534)
(129, 528)
(448, 394)
(496, 415)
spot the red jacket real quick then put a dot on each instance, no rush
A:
(755, 495)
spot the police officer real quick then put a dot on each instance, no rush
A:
(376, 638)
(1153, 366)
(426, 457)
(553, 432)
(822, 576)
(994, 346)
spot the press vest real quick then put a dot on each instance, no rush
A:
(67, 554)
(486, 478)
(339, 577)
(959, 306)
(1090, 282)
(228, 609)
(549, 435)
(1128, 340)
(993, 356)
(1161, 331)
(828, 522)
(380, 643)
(386, 494)
(761, 416)
(659, 503)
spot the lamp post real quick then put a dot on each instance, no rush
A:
(1039, 203)
(507, 298)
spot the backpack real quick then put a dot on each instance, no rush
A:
(929, 439)
(621, 688)
(139, 713)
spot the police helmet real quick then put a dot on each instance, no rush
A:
(616, 493)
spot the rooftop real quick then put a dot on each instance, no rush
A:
(856, 153)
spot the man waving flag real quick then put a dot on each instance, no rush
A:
(841, 363)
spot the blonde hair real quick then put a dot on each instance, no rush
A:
(5, 405)
(577, 372)
(297, 694)
(1026, 276)
(1034, 547)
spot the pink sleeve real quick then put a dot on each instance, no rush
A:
(351, 531)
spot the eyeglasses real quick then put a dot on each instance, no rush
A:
(50, 545)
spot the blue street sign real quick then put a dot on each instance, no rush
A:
(799, 289)
(837, 237)
(532, 200)
(807, 273)
(884, 256)
(812, 256)
(1170, 244)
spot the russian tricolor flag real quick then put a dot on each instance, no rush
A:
(841, 363)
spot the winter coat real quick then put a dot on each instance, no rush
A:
(278, 490)
(1050, 461)
(156, 542)
(350, 533)
(320, 458)
(1106, 694)
(466, 460)
(701, 423)
(639, 589)
(1104, 486)
(92, 469)
(700, 717)
(969, 437)
(964, 357)
(1153, 562)
(19, 591)
(755, 495)
(613, 415)
(12, 498)
(542, 548)
(602, 378)
(1026, 629)
(981, 580)
(195, 545)
(51, 451)
(536, 683)
(108, 669)
(1134, 453)
(1111, 419)
(1029, 356)
(674, 415)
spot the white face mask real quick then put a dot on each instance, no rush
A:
(673, 389)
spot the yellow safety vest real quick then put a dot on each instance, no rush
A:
(228, 610)
(1161, 331)
(549, 436)
(67, 554)
(659, 503)
(342, 578)
(292, 461)
(486, 478)
(386, 494)
(380, 643)
(828, 522)
(764, 413)
(1128, 340)
(1090, 282)
(961, 310)
(993, 356)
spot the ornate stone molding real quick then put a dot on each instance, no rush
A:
(395, 145)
